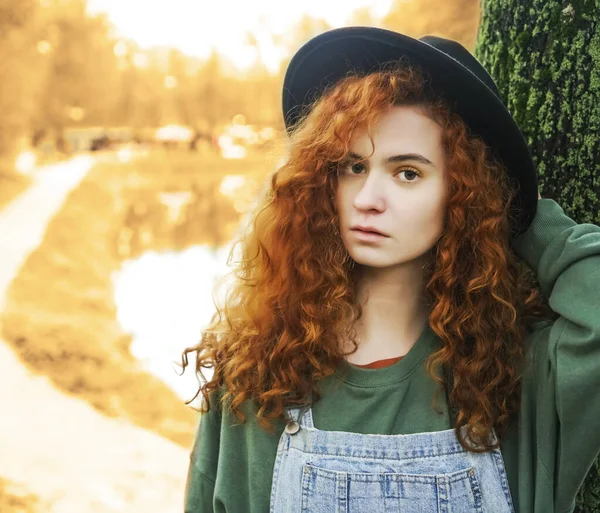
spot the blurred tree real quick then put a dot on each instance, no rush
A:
(264, 103)
(81, 81)
(256, 96)
(260, 90)
(148, 95)
(545, 58)
(453, 19)
(210, 92)
(142, 95)
(20, 34)
(179, 106)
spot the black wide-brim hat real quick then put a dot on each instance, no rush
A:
(455, 75)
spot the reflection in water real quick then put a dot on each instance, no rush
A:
(164, 300)
(173, 244)
(206, 213)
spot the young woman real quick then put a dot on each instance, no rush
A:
(450, 362)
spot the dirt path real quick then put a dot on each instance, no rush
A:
(52, 445)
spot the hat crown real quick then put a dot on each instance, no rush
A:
(459, 53)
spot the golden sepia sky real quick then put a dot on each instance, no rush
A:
(196, 26)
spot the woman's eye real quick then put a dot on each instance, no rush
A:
(349, 168)
(410, 172)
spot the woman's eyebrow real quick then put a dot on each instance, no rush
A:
(400, 158)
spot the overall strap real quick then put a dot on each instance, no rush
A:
(302, 414)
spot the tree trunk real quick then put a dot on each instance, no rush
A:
(545, 57)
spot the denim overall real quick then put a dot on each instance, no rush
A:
(338, 472)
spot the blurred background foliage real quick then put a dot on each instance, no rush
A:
(62, 68)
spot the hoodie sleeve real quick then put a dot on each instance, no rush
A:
(204, 458)
(566, 357)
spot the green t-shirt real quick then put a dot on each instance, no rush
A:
(551, 445)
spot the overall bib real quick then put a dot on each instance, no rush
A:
(319, 471)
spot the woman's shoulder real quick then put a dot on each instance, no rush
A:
(221, 410)
(215, 403)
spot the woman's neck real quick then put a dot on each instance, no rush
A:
(394, 315)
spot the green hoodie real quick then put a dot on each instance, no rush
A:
(551, 445)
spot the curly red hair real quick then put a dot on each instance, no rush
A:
(293, 299)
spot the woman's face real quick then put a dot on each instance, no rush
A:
(404, 198)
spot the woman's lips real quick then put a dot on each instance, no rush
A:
(370, 236)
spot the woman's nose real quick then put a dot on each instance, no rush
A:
(370, 194)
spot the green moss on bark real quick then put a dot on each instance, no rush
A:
(545, 58)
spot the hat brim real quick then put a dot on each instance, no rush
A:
(331, 56)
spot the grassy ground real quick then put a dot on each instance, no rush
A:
(60, 316)
(16, 501)
(11, 185)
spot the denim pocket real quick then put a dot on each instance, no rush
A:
(335, 491)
